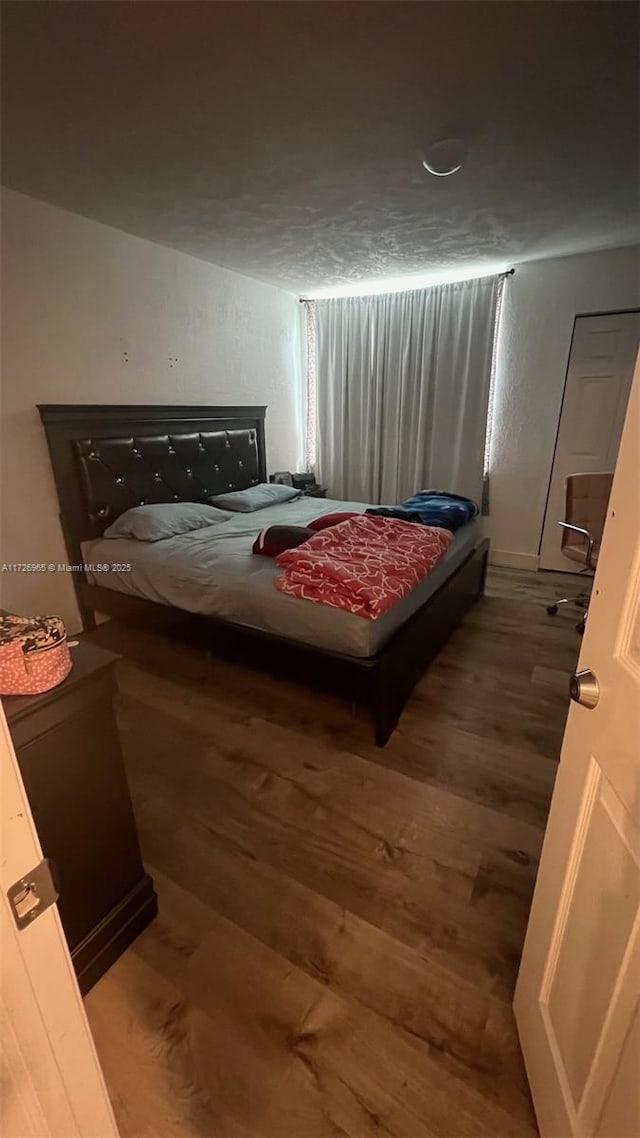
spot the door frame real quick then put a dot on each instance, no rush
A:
(578, 316)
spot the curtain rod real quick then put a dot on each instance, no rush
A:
(501, 277)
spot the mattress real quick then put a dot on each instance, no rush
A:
(213, 571)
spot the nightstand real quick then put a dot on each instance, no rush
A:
(68, 749)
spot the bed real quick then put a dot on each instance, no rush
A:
(207, 587)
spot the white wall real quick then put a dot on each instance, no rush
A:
(540, 303)
(93, 315)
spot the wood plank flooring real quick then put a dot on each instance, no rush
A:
(340, 926)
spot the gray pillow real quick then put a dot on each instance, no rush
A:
(165, 519)
(255, 498)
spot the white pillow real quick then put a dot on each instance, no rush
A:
(255, 498)
(157, 521)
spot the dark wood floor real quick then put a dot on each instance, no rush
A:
(340, 926)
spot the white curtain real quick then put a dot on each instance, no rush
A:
(402, 391)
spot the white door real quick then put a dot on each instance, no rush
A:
(603, 352)
(577, 1000)
(51, 1085)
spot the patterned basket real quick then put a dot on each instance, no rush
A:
(34, 654)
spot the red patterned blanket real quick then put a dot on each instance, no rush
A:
(364, 565)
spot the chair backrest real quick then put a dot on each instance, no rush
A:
(586, 501)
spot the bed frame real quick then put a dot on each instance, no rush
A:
(107, 459)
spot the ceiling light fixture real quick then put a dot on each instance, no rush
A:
(444, 158)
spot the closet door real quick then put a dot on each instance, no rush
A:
(603, 352)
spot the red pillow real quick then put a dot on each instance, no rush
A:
(275, 539)
(328, 520)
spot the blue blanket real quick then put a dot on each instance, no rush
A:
(431, 508)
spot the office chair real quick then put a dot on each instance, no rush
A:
(586, 501)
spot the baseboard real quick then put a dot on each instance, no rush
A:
(120, 927)
(511, 560)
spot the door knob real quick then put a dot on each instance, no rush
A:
(584, 688)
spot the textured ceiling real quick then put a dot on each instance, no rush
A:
(284, 140)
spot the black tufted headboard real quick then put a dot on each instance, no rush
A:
(107, 459)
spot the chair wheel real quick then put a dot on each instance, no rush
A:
(552, 609)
